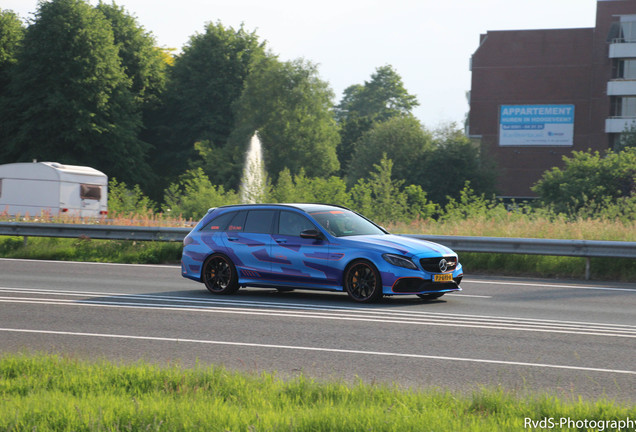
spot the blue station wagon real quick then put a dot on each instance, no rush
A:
(313, 246)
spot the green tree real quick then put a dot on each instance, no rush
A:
(290, 106)
(284, 191)
(402, 137)
(380, 197)
(300, 188)
(588, 179)
(69, 98)
(205, 81)
(194, 194)
(124, 201)
(11, 35)
(143, 62)
(453, 161)
(418, 204)
(379, 99)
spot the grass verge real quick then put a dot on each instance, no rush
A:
(615, 269)
(52, 393)
(83, 249)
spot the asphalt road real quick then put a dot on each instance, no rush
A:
(568, 338)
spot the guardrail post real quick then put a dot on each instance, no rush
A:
(24, 240)
(587, 268)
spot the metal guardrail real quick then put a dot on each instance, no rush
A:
(574, 248)
(530, 246)
(102, 232)
(527, 246)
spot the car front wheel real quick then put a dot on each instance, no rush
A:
(362, 282)
(219, 275)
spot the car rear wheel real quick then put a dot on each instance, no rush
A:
(362, 282)
(219, 275)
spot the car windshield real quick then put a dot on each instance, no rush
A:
(341, 223)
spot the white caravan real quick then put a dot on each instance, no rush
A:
(52, 188)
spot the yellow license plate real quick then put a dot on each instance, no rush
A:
(446, 277)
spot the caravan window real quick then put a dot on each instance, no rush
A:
(93, 192)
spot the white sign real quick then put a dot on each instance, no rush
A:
(536, 125)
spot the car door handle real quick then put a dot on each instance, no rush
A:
(281, 241)
(232, 239)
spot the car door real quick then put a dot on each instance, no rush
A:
(248, 240)
(298, 261)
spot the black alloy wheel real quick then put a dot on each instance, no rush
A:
(362, 282)
(219, 275)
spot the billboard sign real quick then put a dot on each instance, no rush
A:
(536, 125)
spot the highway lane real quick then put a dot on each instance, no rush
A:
(563, 337)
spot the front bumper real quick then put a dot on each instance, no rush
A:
(416, 285)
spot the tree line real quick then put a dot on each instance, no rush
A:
(87, 85)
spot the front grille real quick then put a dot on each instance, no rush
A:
(417, 285)
(432, 265)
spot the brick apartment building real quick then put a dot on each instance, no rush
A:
(537, 95)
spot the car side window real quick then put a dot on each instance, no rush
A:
(292, 224)
(219, 223)
(237, 223)
(259, 221)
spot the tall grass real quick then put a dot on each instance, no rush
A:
(522, 226)
(52, 393)
(132, 218)
(517, 225)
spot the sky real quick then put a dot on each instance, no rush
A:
(428, 42)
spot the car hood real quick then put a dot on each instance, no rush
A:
(402, 245)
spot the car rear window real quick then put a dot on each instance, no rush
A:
(219, 223)
(259, 221)
(238, 222)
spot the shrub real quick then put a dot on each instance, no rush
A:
(194, 194)
(122, 200)
(589, 181)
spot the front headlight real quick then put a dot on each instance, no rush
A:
(399, 261)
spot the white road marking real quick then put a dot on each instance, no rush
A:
(318, 349)
(309, 311)
(545, 285)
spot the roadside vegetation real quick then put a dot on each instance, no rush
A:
(403, 210)
(52, 393)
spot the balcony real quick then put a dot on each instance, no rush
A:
(619, 124)
(621, 88)
(622, 50)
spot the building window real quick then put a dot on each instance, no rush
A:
(625, 69)
(623, 31)
(624, 107)
(627, 31)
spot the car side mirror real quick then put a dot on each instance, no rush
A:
(311, 234)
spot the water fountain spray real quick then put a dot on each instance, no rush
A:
(253, 181)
